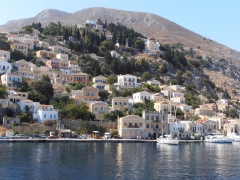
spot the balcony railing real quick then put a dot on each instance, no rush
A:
(133, 126)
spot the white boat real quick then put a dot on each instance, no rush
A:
(236, 138)
(168, 139)
(218, 138)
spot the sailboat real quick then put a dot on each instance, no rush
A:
(168, 139)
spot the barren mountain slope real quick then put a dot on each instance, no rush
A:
(152, 26)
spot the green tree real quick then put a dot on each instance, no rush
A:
(76, 111)
(146, 76)
(230, 112)
(163, 68)
(3, 91)
(17, 55)
(105, 45)
(111, 79)
(141, 64)
(36, 96)
(103, 94)
(46, 78)
(43, 87)
(179, 77)
(139, 44)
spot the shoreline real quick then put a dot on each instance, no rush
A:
(91, 140)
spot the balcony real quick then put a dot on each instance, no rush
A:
(133, 126)
(102, 111)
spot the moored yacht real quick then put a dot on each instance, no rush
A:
(168, 139)
(218, 138)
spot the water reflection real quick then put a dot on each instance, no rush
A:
(119, 161)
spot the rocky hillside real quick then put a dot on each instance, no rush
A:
(224, 65)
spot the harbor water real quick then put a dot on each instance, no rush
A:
(106, 160)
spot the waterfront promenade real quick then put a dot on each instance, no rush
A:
(90, 140)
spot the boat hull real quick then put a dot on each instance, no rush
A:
(168, 141)
(219, 140)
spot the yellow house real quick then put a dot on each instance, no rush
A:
(120, 103)
(156, 124)
(131, 127)
(45, 54)
(222, 106)
(165, 106)
(99, 108)
(20, 47)
(204, 110)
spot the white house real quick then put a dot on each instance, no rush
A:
(25, 104)
(90, 21)
(184, 107)
(44, 112)
(157, 97)
(154, 82)
(178, 99)
(175, 87)
(140, 97)
(5, 54)
(177, 129)
(151, 45)
(177, 94)
(127, 80)
(193, 127)
(5, 66)
(62, 56)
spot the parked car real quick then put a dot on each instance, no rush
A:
(42, 136)
(83, 136)
(52, 137)
(14, 136)
(4, 137)
(35, 136)
(107, 135)
(22, 136)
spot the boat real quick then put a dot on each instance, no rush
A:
(236, 138)
(218, 138)
(168, 139)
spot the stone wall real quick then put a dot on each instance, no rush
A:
(76, 123)
(30, 129)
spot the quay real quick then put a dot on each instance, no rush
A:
(91, 140)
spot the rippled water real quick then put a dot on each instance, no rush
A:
(78, 160)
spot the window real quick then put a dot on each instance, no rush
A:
(95, 108)
(50, 116)
(140, 124)
(163, 126)
(125, 103)
(45, 116)
(136, 124)
(115, 103)
(130, 124)
(125, 123)
(147, 117)
(152, 125)
(147, 125)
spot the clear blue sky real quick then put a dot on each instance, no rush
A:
(217, 19)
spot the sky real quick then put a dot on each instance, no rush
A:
(217, 19)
